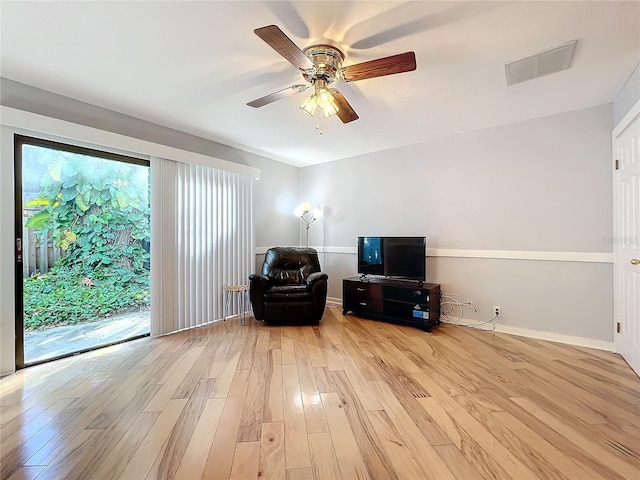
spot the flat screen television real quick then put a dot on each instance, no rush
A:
(401, 257)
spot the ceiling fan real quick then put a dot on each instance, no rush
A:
(320, 66)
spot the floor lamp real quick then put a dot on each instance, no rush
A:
(308, 216)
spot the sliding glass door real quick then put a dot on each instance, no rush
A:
(82, 276)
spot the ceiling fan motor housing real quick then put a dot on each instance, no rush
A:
(328, 61)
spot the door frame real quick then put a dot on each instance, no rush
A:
(18, 141)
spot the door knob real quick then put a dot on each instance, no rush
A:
(635, 261)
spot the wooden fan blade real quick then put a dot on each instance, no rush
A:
(403, 62)
(276, 39)
(280, 94)
(345, 112)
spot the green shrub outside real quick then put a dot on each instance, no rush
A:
(57, 298)
(98, 213)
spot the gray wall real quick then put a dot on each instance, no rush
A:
(541, 185)
(275, 194)
(628, 96)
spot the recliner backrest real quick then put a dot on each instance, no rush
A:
(288, 265)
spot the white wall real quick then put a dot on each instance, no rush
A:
(7, 271)
(275, 195)
(541, 185)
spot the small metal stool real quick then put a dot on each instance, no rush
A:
(243, 300)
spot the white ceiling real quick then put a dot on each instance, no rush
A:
(193, 66)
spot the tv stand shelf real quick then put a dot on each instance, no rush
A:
(407, 302)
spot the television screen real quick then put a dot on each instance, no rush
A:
(405, 257)
(402, 257)
(370, 256)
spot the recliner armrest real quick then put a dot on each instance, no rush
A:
(314, 277)
(258, 284)
(258, 277)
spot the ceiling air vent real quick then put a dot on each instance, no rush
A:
(554, 59)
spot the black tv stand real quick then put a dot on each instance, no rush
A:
(392, 300)
(366, 278)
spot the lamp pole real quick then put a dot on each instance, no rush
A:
(308, 220)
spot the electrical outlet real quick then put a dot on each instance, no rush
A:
(497, 310)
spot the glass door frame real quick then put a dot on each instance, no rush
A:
(18, 142)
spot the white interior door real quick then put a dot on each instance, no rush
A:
(626, 218)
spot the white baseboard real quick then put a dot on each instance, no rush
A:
(557, 337)
(537, 334)
(334, 301)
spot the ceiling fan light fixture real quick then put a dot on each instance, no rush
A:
(309, 105)
(330, 109)
(323, 98)
(329, 112)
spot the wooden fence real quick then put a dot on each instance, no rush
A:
(38, 252)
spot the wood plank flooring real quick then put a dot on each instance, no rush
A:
(347, 399)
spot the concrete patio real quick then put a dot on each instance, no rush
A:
(50, 343)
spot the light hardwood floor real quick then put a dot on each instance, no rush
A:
(348, 399)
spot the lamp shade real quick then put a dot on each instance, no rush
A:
(330, 109)
(309, 105)
(301, 209)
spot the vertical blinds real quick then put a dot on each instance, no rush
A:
(201, 238)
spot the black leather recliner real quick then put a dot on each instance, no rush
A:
(291, 288)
